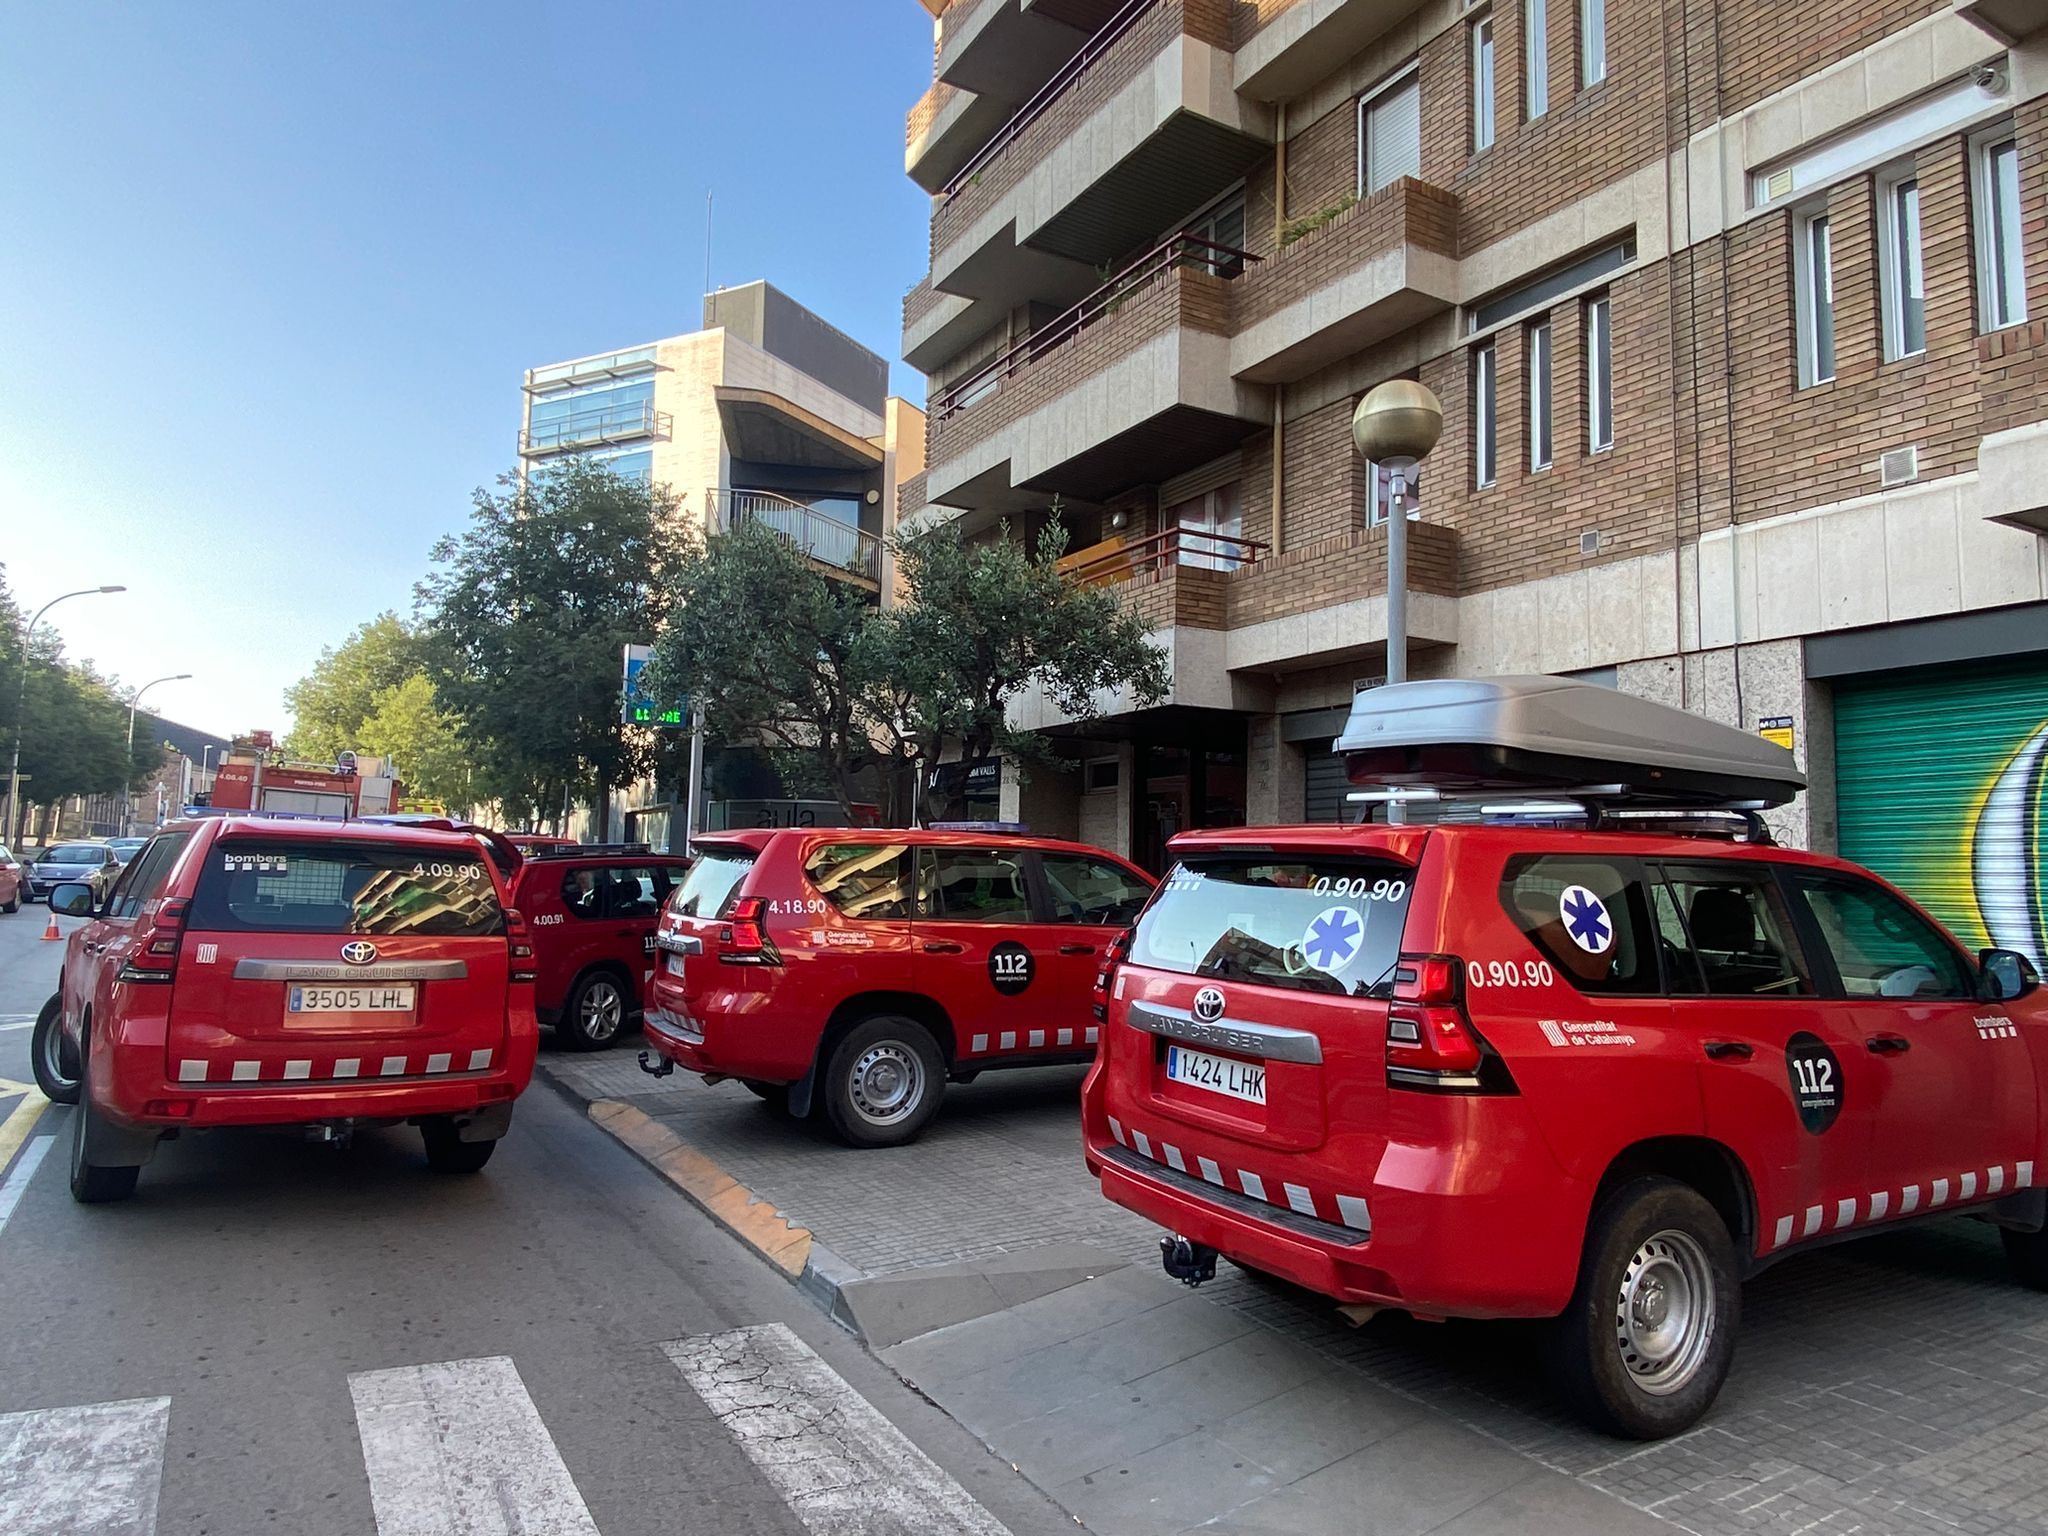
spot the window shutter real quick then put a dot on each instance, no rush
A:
(1393, 136)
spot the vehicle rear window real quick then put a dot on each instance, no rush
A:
(708, 888)
(1313, 923)
(863, 880)
(366, 888)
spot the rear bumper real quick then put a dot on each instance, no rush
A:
(757, 1043)
(169, 1106)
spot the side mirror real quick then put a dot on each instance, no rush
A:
(2008, 975)
(73, 898)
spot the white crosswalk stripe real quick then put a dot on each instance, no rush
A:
(842, 1468)
(90, 1471)
(458, 1449)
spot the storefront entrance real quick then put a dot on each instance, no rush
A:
(1180, 786)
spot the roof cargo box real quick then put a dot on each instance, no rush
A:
(1524, 733)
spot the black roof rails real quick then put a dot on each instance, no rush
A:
(1603, 807)
(586, 850)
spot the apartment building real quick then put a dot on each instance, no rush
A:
(768, 414)
(1738, 314)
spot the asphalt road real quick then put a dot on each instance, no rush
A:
(275, 1336)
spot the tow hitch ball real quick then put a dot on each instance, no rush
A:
(1188, 1262)
(646, 1064)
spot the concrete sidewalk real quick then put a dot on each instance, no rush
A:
(1893, 1387)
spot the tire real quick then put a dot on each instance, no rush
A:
(447, 1152)
(883, 1082)
(93, 1183)
(1650, 1333)
(14, 906)
(596, 1014)
(54, 1062)
(2027, 1253)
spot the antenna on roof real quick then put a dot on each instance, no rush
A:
(708, 194)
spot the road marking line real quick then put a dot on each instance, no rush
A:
(18, 1024)
(94, 1469)
(843, 1469)
(458, 1449)
(15, 1128)
(17, 1182)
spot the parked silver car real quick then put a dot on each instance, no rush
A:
(95, 863)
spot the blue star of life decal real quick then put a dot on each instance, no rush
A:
(1586, 920)
(1332, 939)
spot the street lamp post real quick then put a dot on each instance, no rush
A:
(1394, 427)
(21, 704)
(128, 794)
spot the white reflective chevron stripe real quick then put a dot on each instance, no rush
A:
(1173, 1158)
(1966, 1187)
(94, 1469)
(1784, 1232)
(1352, 1210)
(842, 1468)
(1210, 1171)
(1066, 1037)
(1142, 1142)
(458, 1449)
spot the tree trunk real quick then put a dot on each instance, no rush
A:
(601, 811)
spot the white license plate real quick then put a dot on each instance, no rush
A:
(673, 963)
(392, 997)
(1219, 1074)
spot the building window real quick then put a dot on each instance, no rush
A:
(1381, 481)
(1538, 356)
(1813, 281)
(1548, 287)
(1599, 376)
(1901, 287)
(1389, 133)
(1592, 42)
(1211, 528)
(1483, 415)
(1536, 56)
(1222, 228)
(1872, 142)
(1482, 83)
(2001, 271)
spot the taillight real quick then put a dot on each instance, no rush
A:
(743, 941)
(1431, 1042)
(1105, 974)
(520, 937)
(155, 955)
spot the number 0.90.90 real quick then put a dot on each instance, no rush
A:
(1510, 973)
(1362, 888)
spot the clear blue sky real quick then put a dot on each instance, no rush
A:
(269, 273)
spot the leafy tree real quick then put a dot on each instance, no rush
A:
(525, 619)
(407, 725)
(330, 703)
(775, 651)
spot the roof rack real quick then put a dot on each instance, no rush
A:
(1555, 737)
(584, 850)
(999, 828)
(1603, 807)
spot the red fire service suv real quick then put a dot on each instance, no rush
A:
(251, 971)
(862, 969)
(592, 909)
(1586, 1047)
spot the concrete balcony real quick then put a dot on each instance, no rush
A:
(1136, 129)
(1125, 389)
(1376, 268)
(1007, 49)
(946, 128)
(1298, 39)
(1326, 602)
(2010, 22)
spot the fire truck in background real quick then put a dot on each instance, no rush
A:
(252, 777)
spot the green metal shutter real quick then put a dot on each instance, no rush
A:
(1939, 782)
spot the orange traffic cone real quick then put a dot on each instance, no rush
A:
(51, 932)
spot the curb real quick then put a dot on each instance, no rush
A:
(815, 1270)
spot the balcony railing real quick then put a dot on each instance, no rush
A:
(1181, 251)
(1047, 94)
(1116, 561)
(824, 539)
(579, 429)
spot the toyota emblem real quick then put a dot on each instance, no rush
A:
(1208, 1005)
(360, 952)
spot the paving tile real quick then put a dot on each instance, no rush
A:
(1230, 1377)
(1308, 1427)
(1096, 1432)
(1184, 1482)
(1549, 1504)
(1403, 1485)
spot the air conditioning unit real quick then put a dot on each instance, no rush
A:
(1589, 542)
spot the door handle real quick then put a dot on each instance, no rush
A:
(1729, 1050)
(943, 947)
(1077, 949)
(1889, 1045)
